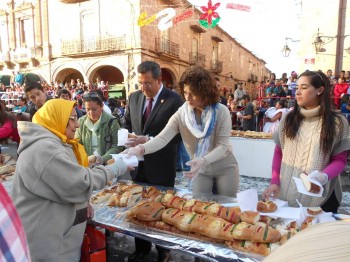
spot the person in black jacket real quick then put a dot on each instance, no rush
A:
(148, 112)
(35, 93)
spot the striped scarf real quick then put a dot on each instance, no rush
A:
(203, 130)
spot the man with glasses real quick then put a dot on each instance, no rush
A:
(147, 114)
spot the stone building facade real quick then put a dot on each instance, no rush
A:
(332, 19)
(69, 39)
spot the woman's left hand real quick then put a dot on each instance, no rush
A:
(135, 151)
(197, 165)
(319, 176)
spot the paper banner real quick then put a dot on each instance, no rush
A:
(238, 7)
(166, 22)
(142, 21)
(183, 16)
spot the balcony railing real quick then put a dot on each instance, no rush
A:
(216, 66)
(22, 55)
(252, 78)
(197, 59)
(2, 58)
(98, 44)
(165, 46)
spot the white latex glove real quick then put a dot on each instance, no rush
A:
(197, 165)
(132, 142)
(118, 167)
(136, 151)
(319, 176)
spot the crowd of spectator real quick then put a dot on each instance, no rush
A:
(23, 98)
(257, 111)
(275, 97)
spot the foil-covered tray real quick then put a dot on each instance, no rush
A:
(114, 219)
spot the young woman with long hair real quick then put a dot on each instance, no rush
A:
(314, 139)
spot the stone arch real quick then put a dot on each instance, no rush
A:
(107, 72)
(67, 73)
(169, 76)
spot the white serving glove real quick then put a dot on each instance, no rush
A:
(197, 165)
(319, 176)
(135, 141)
(118, 167)
(134, 151)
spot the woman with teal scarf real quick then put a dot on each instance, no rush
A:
(205, 127)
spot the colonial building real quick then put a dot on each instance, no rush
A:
(69, 39)
(325, 35)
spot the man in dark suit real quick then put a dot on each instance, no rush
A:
(147, 114)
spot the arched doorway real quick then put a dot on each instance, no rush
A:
(109, 74)
(69, 74)
(114, 77)
(168, 79)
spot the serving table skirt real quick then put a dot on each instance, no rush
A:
(254, 156)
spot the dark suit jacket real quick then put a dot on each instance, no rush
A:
(158, 168)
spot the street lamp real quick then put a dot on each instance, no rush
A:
(318, 43)
(321, 40)
(286, 50)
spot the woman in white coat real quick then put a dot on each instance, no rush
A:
(273, 116)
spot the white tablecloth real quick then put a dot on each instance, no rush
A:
(254, 156)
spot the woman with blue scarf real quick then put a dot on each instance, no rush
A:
(205, 126)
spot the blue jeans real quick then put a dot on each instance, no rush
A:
(182, 158)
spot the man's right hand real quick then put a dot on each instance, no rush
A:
(132, 142)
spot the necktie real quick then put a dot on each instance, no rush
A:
(148, 110)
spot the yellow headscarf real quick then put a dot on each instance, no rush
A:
(54, 116)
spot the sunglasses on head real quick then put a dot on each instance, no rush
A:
(89, 96)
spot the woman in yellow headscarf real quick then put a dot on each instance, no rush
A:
(53, 183)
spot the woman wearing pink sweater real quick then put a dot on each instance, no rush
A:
(311, 139)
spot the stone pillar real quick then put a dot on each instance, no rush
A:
(45, 30)
(37, 24)
(12, 24)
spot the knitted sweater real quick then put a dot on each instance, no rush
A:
(304, 154)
